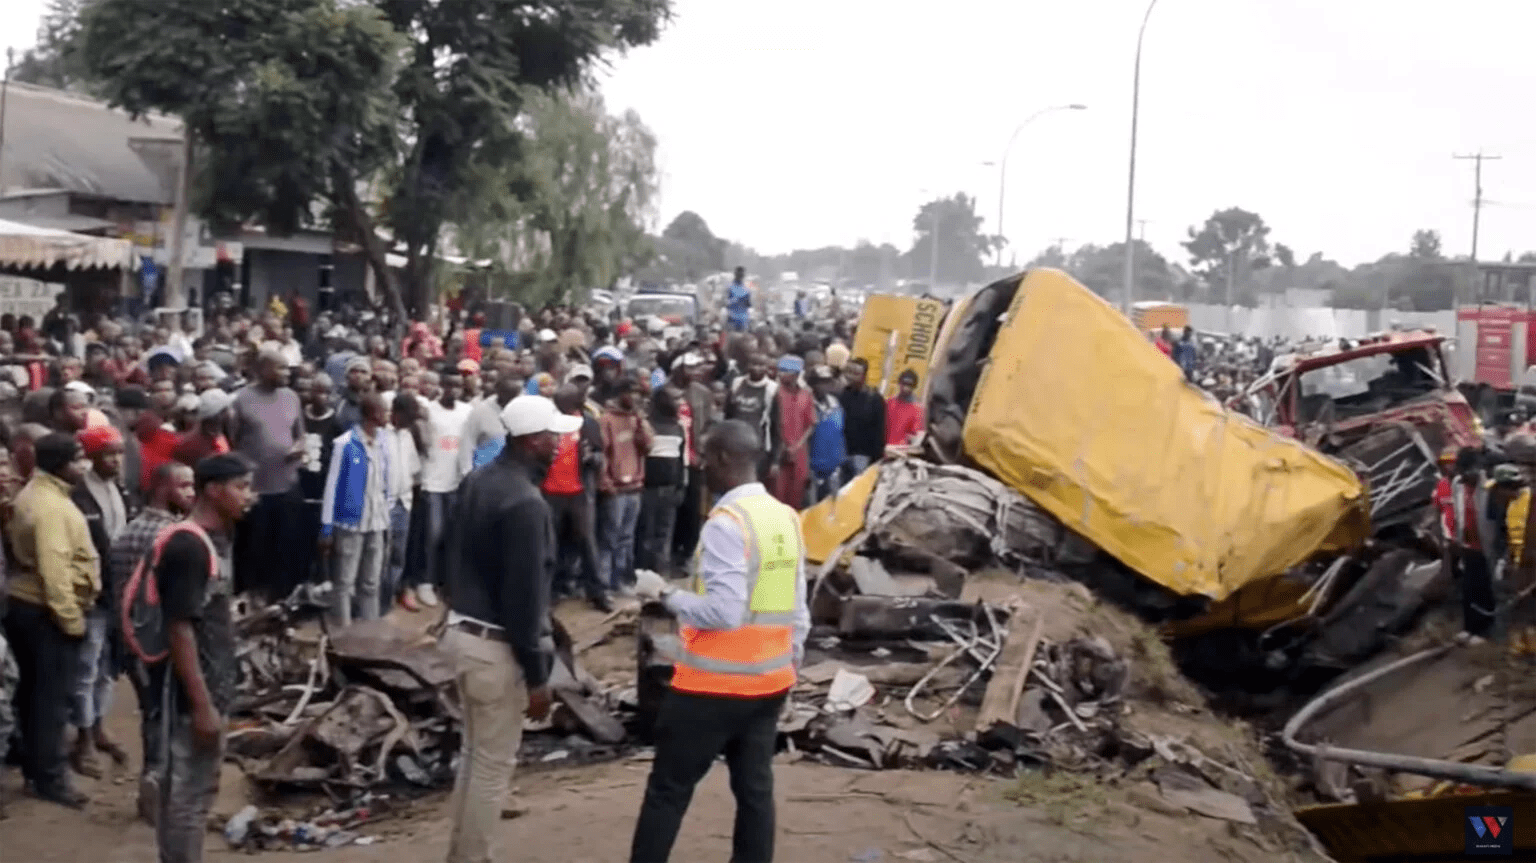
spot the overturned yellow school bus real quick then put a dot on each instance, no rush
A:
(1040, 383)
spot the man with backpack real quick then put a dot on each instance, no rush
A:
(170, 495)
(194, 572)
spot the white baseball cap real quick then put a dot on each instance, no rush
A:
(547, 335)
(526, 415)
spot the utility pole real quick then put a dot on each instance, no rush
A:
(933, 259)
(1130, 178)
(175, 294)
(1477, 160)
(5, 92)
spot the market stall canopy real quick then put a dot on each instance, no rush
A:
(28, 247)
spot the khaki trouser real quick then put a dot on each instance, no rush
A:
(494, 696)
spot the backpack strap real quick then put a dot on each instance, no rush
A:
(192, 527)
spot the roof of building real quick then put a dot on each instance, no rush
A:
(59, 140)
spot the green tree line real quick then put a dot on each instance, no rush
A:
(399, 124)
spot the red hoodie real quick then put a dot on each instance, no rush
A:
(157, 443)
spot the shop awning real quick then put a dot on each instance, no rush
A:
(28, 247)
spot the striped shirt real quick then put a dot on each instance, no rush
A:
(130, 546)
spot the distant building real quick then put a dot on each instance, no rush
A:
(73, 163)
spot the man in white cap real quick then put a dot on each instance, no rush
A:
(500, 560)
(209, 437)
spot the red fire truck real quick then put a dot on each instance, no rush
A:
(1496, 330)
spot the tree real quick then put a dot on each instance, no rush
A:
(1102, 270)
(693, 248)
(571, 214)
(388, 112)
(1052, 256)
(955, 226)
(54, 62)
(1425, 246)
(1232, 243)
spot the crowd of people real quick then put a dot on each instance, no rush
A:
(326, 453)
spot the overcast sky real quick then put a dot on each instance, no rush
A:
(802, 123)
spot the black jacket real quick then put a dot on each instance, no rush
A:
(500, 553)
(591, 453)
(864, 422)
(86, 502)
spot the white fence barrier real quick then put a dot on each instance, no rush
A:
(1302, 322)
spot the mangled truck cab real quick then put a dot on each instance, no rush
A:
(1385, 406)
(1335, 397)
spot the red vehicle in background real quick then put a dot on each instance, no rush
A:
(1333, 397)
(1384, 405)
(1496, 336)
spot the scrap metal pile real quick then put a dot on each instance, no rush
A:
(366, 713)
(341, 711)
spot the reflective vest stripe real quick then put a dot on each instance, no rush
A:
(757, 656)
(725, 666)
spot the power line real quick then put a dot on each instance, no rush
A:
(1477, 160)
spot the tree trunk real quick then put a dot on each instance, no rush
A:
(373, 248)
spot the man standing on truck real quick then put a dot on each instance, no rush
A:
(738, 302)
(1185, 353)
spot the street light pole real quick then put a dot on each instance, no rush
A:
(933, 258)
(1130, 182)
(1002, 171)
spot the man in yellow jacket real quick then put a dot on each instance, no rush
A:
(55, 582)
(741, 636)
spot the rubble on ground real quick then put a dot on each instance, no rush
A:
(368, 716)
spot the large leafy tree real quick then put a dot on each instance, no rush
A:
(1102, 269)
(381, 115)
(692, 250)
(54, 62)
(571, 214)
(953, 224)
(1230, 245)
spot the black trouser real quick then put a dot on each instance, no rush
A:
(266, 542)
(690, 731)
(149, 688)
(690, 516)
(48, 661)
(574, 517)
(1478, 604)
(658, 521)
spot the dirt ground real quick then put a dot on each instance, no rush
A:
(581, 814)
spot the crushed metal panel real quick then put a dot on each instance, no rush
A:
(895, 334)
(835, 520)
(1076, 410)
(964, 343)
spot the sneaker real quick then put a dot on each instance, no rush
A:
(602, 603)
(428, 595)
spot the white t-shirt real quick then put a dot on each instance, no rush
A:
(405, 464)
(441, 472)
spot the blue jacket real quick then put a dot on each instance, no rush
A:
(827, 447)
(1184, 355)
(738, 301)
(346, 486)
